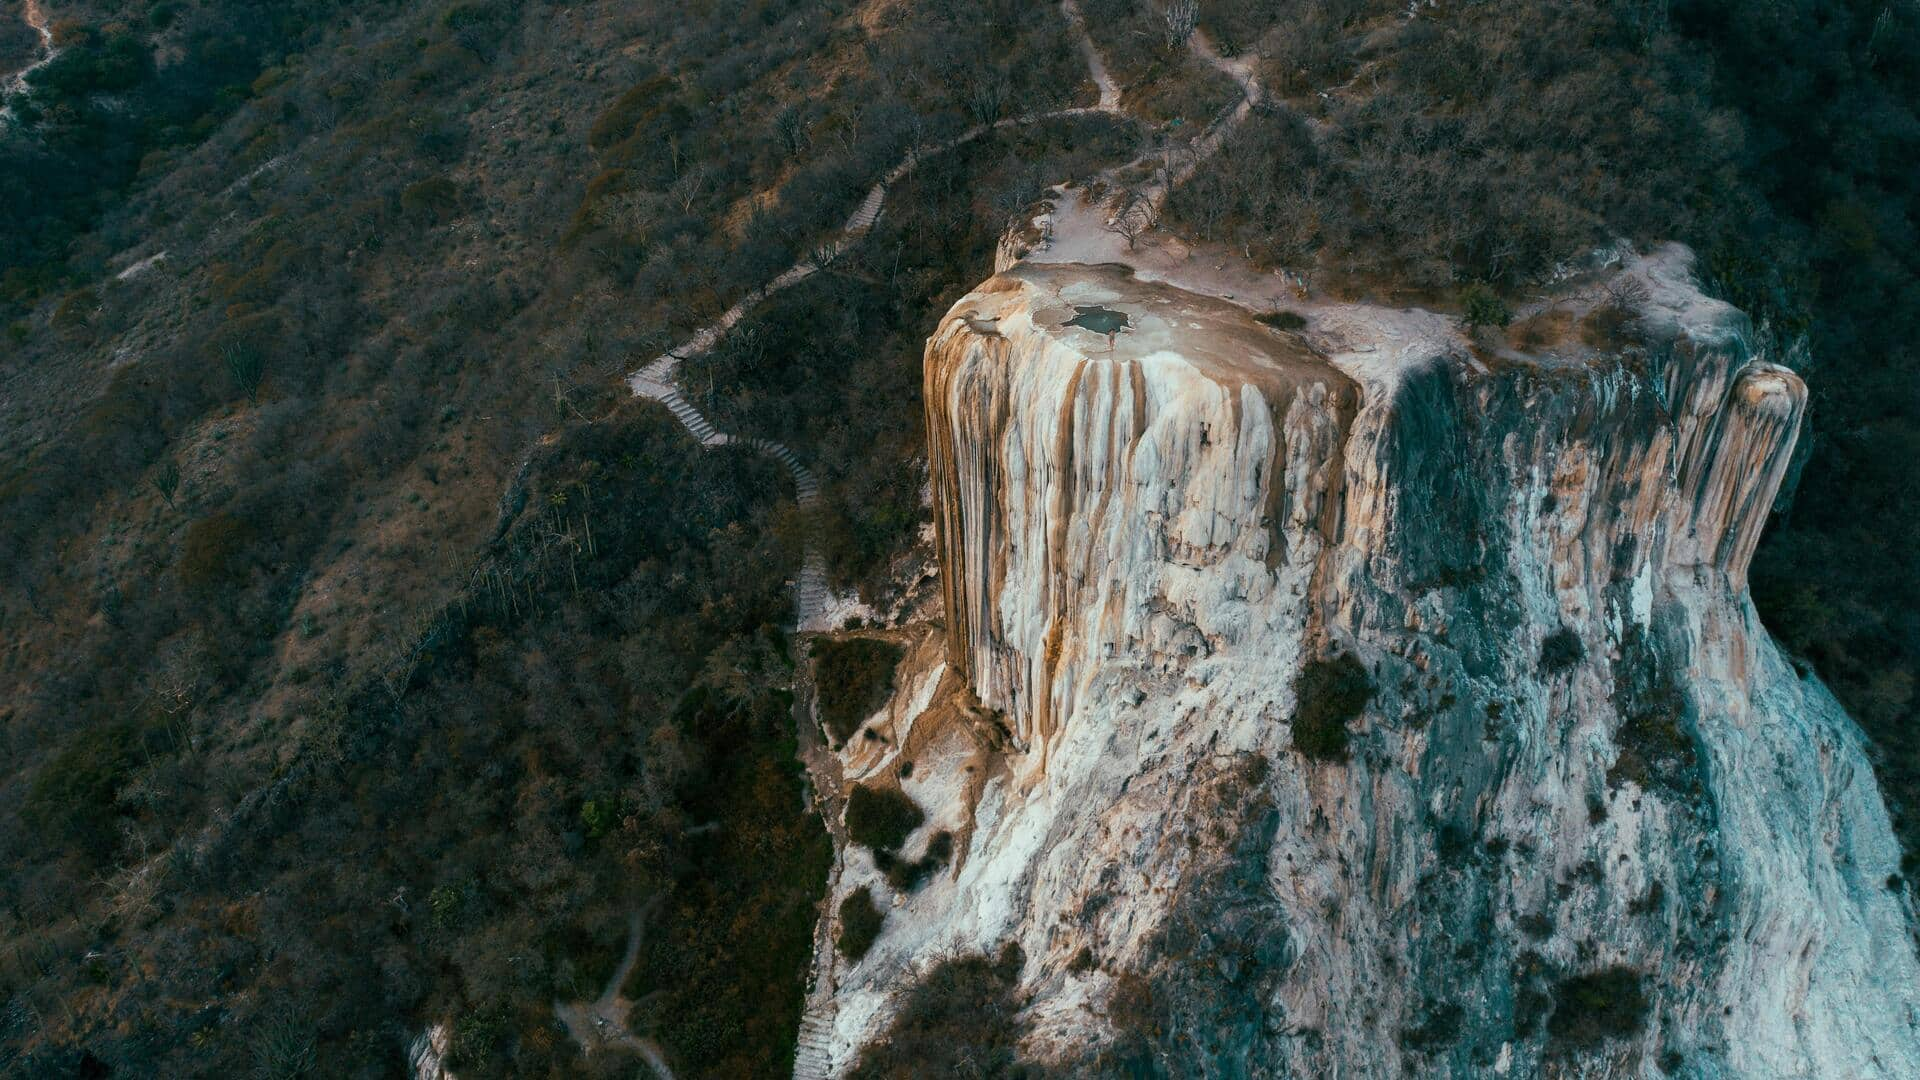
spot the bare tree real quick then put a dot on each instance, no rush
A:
(1177, 160)
(987, 99)
(1131, 217)
(689, 188)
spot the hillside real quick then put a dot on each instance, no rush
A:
(374, 655)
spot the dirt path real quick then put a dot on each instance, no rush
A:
(1096, 64)
(36, 17)
(1241, 71)
(816, 1054)
(1080, 231)
(602, 1023)
(655, 381)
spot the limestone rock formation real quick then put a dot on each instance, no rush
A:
(1589, 821)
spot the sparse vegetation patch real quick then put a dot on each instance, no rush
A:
(860, 923)
(880, 818)
(1592, 1008)
(853, 677)
(1561, 651)
(962, 1019)
(1330, 694)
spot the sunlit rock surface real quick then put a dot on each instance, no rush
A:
(1582, 751)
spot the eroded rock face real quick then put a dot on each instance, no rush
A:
(1582, 757)
(1133, 500)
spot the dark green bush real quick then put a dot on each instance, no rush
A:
(1283, 320)
(854, 678)
(477, 1035)
(445, 65)
(881, 818)
(281, 1047)
(214, 551)
(906, 875)
(860, 923)
(1600, 1005)
(73, 796)
(1481, 306)
(431, 201)
(1438, 1030)
(1330, 694)
(246, 367)
(962, 1019)
(1656, 749)
(1561, 651)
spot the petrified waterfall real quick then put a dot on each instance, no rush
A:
(1144, 501)
(1582, 756)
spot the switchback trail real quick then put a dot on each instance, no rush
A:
(816, 1055)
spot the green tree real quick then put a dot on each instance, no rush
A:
(1481, 306)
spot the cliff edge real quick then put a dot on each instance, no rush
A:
(1363, 698)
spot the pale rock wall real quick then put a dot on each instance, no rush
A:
(1141, 546)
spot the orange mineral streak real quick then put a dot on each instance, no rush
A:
(1052, 432)
(1092, 495)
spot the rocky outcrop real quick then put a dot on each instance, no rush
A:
(1083, 491)
(1589, 820)
(427, 1054)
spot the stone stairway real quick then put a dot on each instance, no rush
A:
(813, 1057)
(691, 419)
(868, 211)
(814, 594)
(653, 382)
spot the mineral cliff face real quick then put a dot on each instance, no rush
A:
(1589, 822)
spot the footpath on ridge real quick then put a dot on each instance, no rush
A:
(816, 1056)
